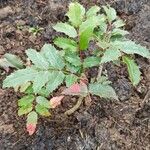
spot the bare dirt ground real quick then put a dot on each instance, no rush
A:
(105, 125)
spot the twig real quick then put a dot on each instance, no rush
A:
(99, 71)
(147, 97)
(75, 107)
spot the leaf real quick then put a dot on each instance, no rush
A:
(70, 79)
(66, 28)
(4, 64)
(133, 70)
(74, 59)
(76, 89)
(29, 90)
(57, 79)
(129, 47)
(55, 101)
(110, 55)
(73, 69)
(41, 110)
(86, 30)
(40, 80)
(76, 14)
(66, 44)
(24, 86)
(14, 60)
(103, 28)
(20, 77)
(43, 101)
(118, 23)
(52, 56)
(110, 12)
(91, 62)
(26, 100)
(37, 59)
(25, 110)
(43, 92)
(31, 122)
(119, 32)
(32, 117)
(103, 44)
(103, 80)
(105, 91)
(92, 11)
(50, 79)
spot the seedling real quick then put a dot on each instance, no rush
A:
(35, 30)
(50, 68)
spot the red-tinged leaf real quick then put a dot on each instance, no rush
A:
(55, 101)
(31, 128)
(31, 122)
(76, 89)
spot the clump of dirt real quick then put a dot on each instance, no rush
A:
(105, 124)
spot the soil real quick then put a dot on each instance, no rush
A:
(105, 125)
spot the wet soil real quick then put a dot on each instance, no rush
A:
(105, 125)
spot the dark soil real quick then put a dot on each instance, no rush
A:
(105, 125)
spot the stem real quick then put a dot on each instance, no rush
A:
(64, 71)
(99, 71)
(75, 107)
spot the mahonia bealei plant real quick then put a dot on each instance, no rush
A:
(50, 68)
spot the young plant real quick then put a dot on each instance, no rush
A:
(35, 30)
(50, 68)
(114, 46)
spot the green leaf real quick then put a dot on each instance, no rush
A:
(29, 90)
(86, 30)
(74, 59)
(102, 28)
(14, 60)
(43, 101)
(110, 12)
(66, 28)
(110, 55)
(4, 64)
(92, 11)
(40, 80)
(24, 86)
(73, 69)
(103, 44)
(76, 13)
(91, 62)
(26, 100)
(119, 32)
(103, 80)
(44, 92)
(105, 91)
(32, 118)
(42, 110)
(133, 70)
(20, 77)
(70, 79)
(66, 44)
(38, 60)
(52, 56)
(129, 47)
(25, 109)
(118, 23)
(56, 79)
